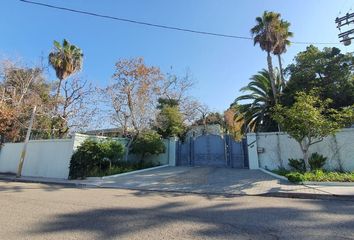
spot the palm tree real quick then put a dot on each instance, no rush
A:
(283, 42)
(265, 34)
(66, 59)
(256, 114)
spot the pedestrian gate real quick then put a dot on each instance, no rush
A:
(212, 150)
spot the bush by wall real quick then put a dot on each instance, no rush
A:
(148, 143)
(316, 161)
(95, 156)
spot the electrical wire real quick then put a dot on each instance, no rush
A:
(158, 25)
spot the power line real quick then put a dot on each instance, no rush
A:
(156, 25)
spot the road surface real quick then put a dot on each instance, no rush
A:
(37, 211)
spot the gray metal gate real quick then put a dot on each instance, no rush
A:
(212, 150)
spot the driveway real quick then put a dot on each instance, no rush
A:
(209, 180)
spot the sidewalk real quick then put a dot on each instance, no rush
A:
(263, 185)
(56, 181)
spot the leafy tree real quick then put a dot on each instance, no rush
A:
(66, 59)
(309, 120)
(163, 102)
(283, 35)
(256, 113)
(233, 123)
(148, 143)
(169, 122)
(330, 71)
(22, 88)
(94, 156)
(267, 34)
(7, 120)
(210, 119)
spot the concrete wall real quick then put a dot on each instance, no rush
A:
(168, 157)
(44, 158)
(51, 158)
(272, 149)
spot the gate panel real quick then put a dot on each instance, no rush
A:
(183, 153)
(236, 154)
(209, 150)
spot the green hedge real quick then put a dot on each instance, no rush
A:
(93, 157)
(318, 176)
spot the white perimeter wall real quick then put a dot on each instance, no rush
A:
(271, 148)
(44, 158)
(51, 158)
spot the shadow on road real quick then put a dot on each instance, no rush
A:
(324, 220)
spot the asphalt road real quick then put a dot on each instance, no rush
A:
(35, 211)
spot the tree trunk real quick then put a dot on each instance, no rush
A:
(142, 159)
(281, 71)
(127, 149)
(55, 109)
(272, 78)
(306, 160)
(305, 152)
(58, 93)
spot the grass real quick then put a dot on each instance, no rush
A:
(316, 176)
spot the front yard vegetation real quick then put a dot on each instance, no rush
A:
(97, 158)
(317, 173)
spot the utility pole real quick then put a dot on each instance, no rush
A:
(23, 154)
(345, 37)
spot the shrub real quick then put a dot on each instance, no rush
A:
(317, 161)
(281, 171)
(295, 177)
(321, 176)
(297, 165)
(93, 157)
(148, 143)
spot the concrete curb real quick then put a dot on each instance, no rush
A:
(133, 172)
(52, 182)
(329, 184)
(274, 175)
(229, 195)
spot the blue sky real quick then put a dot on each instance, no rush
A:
(220, 66)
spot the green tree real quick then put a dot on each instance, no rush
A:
(163, 102)
(309, 120)
(283, 35)
(330, 71)
(169, 122)
(148, 143)
(256, 113)
(66, 59)
(266, 34)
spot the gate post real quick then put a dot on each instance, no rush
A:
(252, 151)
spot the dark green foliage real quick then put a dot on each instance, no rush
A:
(317, 161)
(294, 177)
(167, 102)
(94, 156)
(320, 176)
(148, 143)
(256, 111)
(328, 70)
(297, 165)
(281, 171)
(169, 122)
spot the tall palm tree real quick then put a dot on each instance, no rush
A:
(265, 34)
(283, 35)
(256, 113)
(66, 59)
